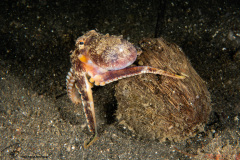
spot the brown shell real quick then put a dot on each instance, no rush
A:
(159, 107)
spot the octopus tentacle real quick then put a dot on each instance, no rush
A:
(115, 75)
(84, 88)
(80, 86)
(71, 89)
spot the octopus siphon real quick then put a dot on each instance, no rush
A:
(101, 59)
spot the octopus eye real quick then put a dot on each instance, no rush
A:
(80, 44)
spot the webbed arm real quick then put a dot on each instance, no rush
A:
(115, 75)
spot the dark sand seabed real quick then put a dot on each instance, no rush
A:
(37, 119)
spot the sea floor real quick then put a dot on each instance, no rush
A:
(37, 119)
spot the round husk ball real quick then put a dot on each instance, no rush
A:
(161, 107)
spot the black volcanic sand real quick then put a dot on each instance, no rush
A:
(38, 121)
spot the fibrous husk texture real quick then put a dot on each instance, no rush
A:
(160, 107)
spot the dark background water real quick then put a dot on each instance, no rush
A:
(37, 36)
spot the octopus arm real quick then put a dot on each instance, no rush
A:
(71, 88)
(84, 88)
(115, 75)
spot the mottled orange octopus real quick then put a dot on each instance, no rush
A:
(101, 59)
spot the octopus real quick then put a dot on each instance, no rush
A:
(101, 59)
